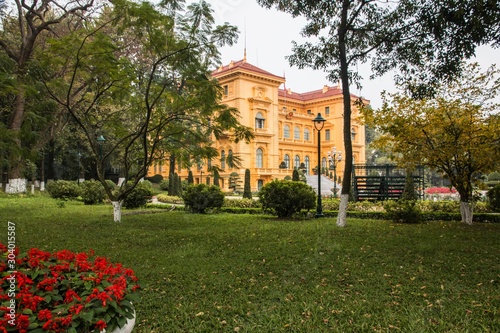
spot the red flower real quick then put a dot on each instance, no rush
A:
(51, 284)
(101, 324)
(70, 295)
(47, 284)
(23, 322)
(44, 314)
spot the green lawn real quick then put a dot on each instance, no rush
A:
(247, 273)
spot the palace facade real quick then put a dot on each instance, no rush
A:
(285, 137)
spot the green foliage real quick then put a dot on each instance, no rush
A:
(63, 189)
(139, 196)
(247, 192)
(242, 203)
(216, 178)
(171, 185)
(201, 198)
(285, 198)
(409, 192)
(169, 199)
(164, 184)
(156, 179)
(403, 211)
(178, 185)
(295, 175)
(92, 192)
(494, 176)
(234, 182)
(190, 177)
(494, 198)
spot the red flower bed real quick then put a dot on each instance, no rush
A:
(440, 190)
(64, 292)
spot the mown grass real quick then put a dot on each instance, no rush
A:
(247, 273)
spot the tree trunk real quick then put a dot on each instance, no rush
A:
(346, 94)
(466, 210)
(117, 210)
(16, 183)
(342, 215)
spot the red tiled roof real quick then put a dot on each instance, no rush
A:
(326, 91)
(242, 64)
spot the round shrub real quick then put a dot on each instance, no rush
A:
(494, 198)
(139, 196)
(285, 198)
(92, 192)
(63, 189)
(200, 198)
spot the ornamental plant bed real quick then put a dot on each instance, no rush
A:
(64, 292)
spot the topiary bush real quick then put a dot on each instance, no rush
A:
(139, 196)
(92, 192)
(165, 198)
(201, 198)
(285, 198)
(63, 189)
(494, 198)
(156, 179)
(242, 203)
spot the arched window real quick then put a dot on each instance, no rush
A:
(308, 164)
(307, 134)
(259, 158)
(223, 159)
(259, 120)
(296, 163)
(230, 161)
(296, 133)
(287, 161)
(286, 132)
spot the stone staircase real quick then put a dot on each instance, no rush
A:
(327, 185)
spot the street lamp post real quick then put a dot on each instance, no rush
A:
(100, 141)
(334, 157)
(319, 122)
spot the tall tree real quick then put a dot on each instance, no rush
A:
(412, 35)
(247, 192)
(456, 132)
(137, 77)
(20, 37)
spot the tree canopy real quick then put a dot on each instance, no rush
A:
(425, 40)
(455, 133)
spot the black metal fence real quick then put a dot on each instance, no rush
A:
(383, 182)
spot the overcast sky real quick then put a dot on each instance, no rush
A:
(268, 34)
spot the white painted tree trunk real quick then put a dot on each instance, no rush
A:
(466, 210)
(117, 210)
(342, 216)
(42, 186)
(120, 181)
(32, 188)
(17, 185)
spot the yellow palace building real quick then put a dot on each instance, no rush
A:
(285, 137)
